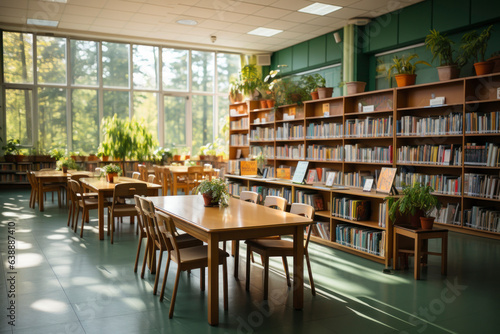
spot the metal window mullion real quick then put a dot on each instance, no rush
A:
(189, 104)
(34, 106)
(69, 118)
(100, 90)
(160, 100)
(215, 104)
(130, 81)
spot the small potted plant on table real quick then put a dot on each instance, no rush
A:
(214, 192)
(66, 163)
(417, 200)
(112, 170)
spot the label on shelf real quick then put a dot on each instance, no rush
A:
(326, 109)
(437, 101)
(368, 108)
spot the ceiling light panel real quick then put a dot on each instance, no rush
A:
(266, 32)
(45, 23)
(319, 8)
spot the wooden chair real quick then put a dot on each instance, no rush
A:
(72, 203)
(136, 175)
(119, 207)
(187, 259)
(142, 233)
(164, 178)
(46, 188)
(151, 178)
(276, 247)
(143, 170)
(195, 175)
(81, 202)
(157, 242)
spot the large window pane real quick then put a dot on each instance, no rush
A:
(18, 57)
(19, 117)
(223, 122)
(115, 64)
(51, 60)
(146, 108)
(84, 63)
(203, 121)
(203, 71)
(84, 120)
(145, 67)
(52, 118)
(228, 65)
(116, 102)
(175, 69)
(175, 120)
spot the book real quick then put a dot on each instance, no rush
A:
(300, 172)
(318, 202)
(386, 179)
(311, 176)
(283, 173)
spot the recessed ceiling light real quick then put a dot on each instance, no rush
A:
(187, 22)
(318, 8)
(266, 32)
(47, 23)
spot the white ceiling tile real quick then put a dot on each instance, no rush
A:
(348, 13)
(342, 3)
(305, 28)
(261, 2)
(115, 15)
(260, 21)
(282, 25)
(290, 35)
(12, 19)
(299, 17)
(200, 12)
(127, 6)
(292, 4)
(228, 34)
(80, 10)
(87, 3)
(77, 19)
(214, 24)
(73, 26)
(46, 7)
(140, 26)
(229, 17)
(146, 18)
(242, 7)
(109, 23)
(106, 30)
(325, 21)
(14, 12)
(241, 28)
(21, 4)
(162, 10)
(274, 13)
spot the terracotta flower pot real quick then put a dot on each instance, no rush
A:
(404, 80)
(446, 73)
(64, 169)
(355, 87)
(427, 223)
(314, 95)
(484, 67)
(207, 198)
(325, 92)
(177, 157)
(110, 177)
(263, 104)
(105, 158)
(270, 103)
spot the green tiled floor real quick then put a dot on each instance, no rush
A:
(65, 284)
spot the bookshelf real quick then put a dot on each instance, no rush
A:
(454, 145)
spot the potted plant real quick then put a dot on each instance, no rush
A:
(312, 82)
(111, 171)
(163, 155)
(268, 89)
(474, 46)
(12, 151)
(405, 69)
(214, 192)
(235, 95)
(441, 47)
(249, 80)
(417, 200)
(353, 87)
(65, 163)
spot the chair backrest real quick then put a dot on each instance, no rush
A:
(249, 196)
(169, 235)
(144, 172)
(158, 174)
(77, 177)
(275, 202)
(75, 190)
(306, 211)
(136, 175)
(31, 179)
(195, 173)
(151, 178)
(128, 190)
(150, 223)
(140, 217)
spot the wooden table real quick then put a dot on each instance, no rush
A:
(420, 238)
(240, 220)
(105, 189)
(48, 176)
(178, 171)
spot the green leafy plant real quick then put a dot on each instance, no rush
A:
(404, 65)
(162, 154)
(289, 91)
(247, 82)
(112, 168)
(57, 153)
(474, 45)
(66, 162)
(416, 197)
(441, 47)
(311, 82)
(12, 147)
(216, 188)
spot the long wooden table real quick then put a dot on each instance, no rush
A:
(240, 220)
(50, 176)
(178, 171)
(105, 189)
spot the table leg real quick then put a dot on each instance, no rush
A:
(444, 254)
(418, 250)
(174, 185)
(395, 260)
(236, 251)
(298, 268)
(100, 209)
(213, 279)
(40, 195)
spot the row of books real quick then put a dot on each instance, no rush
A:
(239, 124)
(358, 179)
(239, 139)
(325, 153)
(482, 155)
(382, 214)
(349, 208)
(446, 155)
(290, 152)
(288, 131)
(449, 214)
(368, 127)
(360, 238)
(356, 153)
(233, 167)
(432, 125)
(235, 188)
(310, 198)
(482, 218)
(266, 191)
(262, 133)
(320, 230)
(266, 150)
(442, 184)
(482, 185)
(324, 130)
(482, 122)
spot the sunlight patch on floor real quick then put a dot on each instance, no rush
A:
(29, 260)
(50, 306)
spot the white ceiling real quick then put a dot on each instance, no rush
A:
(154, 21)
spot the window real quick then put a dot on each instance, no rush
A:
(227, 66)
(116, 102)
(51, 60)
(175, 120)
(18, 104)
(84, 120)
(115, 64)
(52, 118)
(203, 120)
(145, 67)
(175, 69)
(146, 108)
(84, 63)
(203, 71)
(18, 57)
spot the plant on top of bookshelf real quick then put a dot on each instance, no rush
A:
(12, 150)
(474, 46)
(405, 69)
(289, 91)
(311, 84)
(417, 200)
(441, 48)
(214, 192)
(248, 81)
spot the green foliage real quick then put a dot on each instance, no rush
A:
(312, 82)
(11, 147)
(57, 153)
(474, 45)
(217, 188)
(289, 91)
(441, 47)
(162, 154)
(66, 162)
(112, 168)
(416, 197)
(403, 65)
(248, 81)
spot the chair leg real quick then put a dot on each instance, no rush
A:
(112, 227)
(84, 214)
(58, 198)
(247, 279)
(76, 220)
(174, 293)
(311, 281)
(224, 280)
(157, 276)
(70, 212)
(265, 261)
(202, 279)
(145, 259)
(137, 255)
(285, 265)
(162, 292)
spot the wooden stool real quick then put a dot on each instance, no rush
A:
(420, 251)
